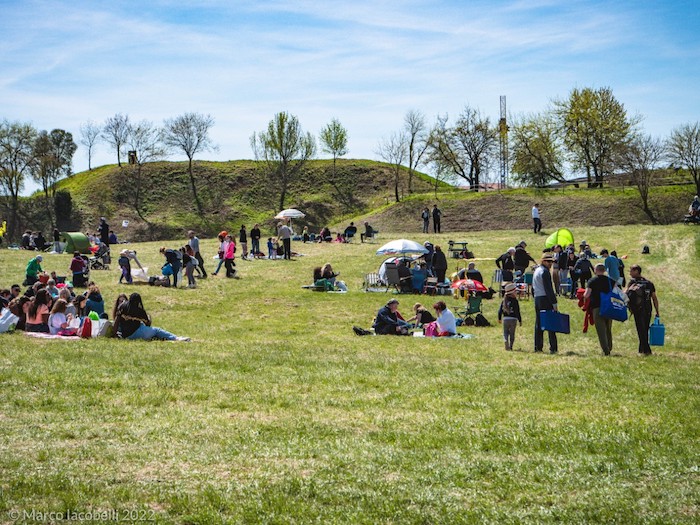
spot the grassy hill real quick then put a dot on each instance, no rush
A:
(238, 192)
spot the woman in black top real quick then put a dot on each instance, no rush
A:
(132, 322)
(439, 264)
(422, 316)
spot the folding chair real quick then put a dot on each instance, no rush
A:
(430, 286)
(393, 279)
(565, 286)
(473, 307)
(371, 282)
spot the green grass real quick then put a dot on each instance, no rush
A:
(278, 413)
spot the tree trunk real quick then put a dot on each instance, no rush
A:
(200, 210)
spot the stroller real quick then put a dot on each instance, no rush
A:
(101, 259)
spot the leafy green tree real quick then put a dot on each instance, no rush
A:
(115, 132)
(283, 151)
(595, 128)
(334, 141)
(17, 160)
(684, 149)
(189, 133)
(392, 150)
(536, 150)
(467, 148)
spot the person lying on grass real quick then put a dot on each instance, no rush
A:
(132, 322)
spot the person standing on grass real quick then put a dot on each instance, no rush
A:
(506, 264)
(243, 239)
(612, 265)
(439, 264)
(521, 258)
(284, 232)
(641, 293)
(509, 314)
(425, 215)
(193, 243)
(536, 222)
(229, 247)
(255, 240)
(437, 216)
(545, 299)
(598, 285)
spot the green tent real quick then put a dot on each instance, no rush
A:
(75, 241)
(562, 236)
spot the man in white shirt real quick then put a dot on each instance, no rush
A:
(537, 223)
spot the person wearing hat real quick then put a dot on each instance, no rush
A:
(545, 299)
(509, 314)
(521, 258)
(33, 270)
(389, 320)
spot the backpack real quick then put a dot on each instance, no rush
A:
(637, 294)
(480, 320)
(86, 329)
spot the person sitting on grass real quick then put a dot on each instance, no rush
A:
(59, 321)
(389, 320)
(446, 322)
(95, 302)
(422, 317)
(132, 322)
(37, 311)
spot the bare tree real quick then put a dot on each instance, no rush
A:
(115, 132)
(189, 133)
(54, 159)
(89, 136)
(17, 159)
(417, 142)
(334, 141)
(146, 141)
(283, 150)
(393, 151)
(642, 159)
(684, 149)
(467, 147)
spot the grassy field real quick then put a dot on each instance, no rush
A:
(278, 413)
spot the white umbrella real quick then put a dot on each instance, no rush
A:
(290, 213)
(401, 246)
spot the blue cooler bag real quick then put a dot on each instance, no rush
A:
(554, 321)
(657, 332)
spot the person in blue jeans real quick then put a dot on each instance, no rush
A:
(132, 322)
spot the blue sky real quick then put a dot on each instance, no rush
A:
(364, 62)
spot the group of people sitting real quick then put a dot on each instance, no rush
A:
(325, 235)
(56, 309)
(389, 321)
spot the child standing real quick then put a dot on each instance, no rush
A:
(125, 265)
(509, 314)
(270, 248)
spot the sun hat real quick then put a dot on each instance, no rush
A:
(547, 257)
(510, 287)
